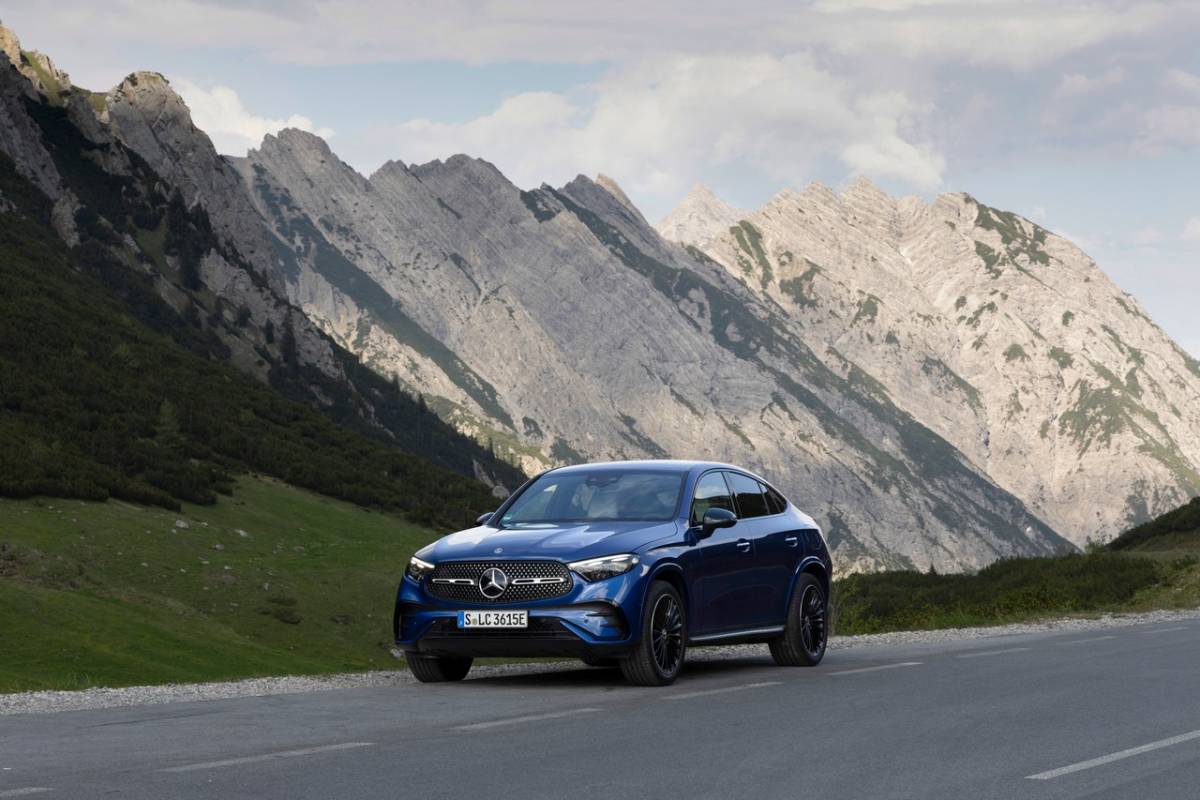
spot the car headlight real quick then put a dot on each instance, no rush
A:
(597, 569)
(418, 569)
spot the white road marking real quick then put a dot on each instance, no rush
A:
(1111, 757)
(723, 690)
(876, 669)
(479, 726)
(1165, 630)
(24, 792)
(231, 762)
(993, 652)
(1085, 641)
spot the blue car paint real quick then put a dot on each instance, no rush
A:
(730, 594)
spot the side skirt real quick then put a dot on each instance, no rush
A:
(747, 636)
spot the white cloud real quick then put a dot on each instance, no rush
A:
(1171, 125)
(220, 113)
(655, 123)
(1146, 236)
(1182, 80)
(1076, 84)
(1015, 34)
(1191, 230)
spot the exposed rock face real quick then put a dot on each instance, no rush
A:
(136, 182)
(558, 322)
(1002, 337)
(153, 121)
(699, 217)
(896, 367)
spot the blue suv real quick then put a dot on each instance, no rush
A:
(626, 563)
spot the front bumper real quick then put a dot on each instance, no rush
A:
(597, 619)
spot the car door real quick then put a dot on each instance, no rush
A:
(763, 585)
(783, 545)
(719, 588)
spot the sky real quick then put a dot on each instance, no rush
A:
(1083, 116)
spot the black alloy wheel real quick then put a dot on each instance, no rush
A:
(660, 653)
(803, 641)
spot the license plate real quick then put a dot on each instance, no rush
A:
(493, 619)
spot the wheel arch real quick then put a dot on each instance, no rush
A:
(813, 566)
(672, 573)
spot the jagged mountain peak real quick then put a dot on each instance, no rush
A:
(392, 166)
(460, 167)
(863, 190)
(613, 188)
(40, 71)
(297, 140)
(700, 216)
(10, 45)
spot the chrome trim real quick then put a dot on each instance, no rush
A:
(455, 581)
(711, 637)
(538, 581)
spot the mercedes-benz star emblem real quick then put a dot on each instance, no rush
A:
(492, 583)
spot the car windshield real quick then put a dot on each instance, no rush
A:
(597, 496)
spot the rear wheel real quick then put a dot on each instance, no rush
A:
(803, 641)
(659, 654)
(429, 669)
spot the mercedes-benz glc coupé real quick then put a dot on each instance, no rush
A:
(621, 564)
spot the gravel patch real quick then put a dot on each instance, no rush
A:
(46, 702)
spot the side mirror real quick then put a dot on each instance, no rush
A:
(482, 519)
(716, 518)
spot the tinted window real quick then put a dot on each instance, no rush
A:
(775, 502)
(594, 496)
(711, 492)
(751, 502)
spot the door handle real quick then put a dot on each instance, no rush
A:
(792, 541)
(743, 545)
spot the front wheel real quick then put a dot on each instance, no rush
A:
(428, 669)
(659, 654)
(803, 641)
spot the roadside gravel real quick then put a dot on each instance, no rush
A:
(45, 702)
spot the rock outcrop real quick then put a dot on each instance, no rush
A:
(559, 324)
(1004, 338)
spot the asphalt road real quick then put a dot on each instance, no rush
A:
(1101, 714)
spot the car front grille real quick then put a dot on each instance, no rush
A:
(527, 580)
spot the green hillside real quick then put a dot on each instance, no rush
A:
(1155, 565)
(1175, 530)
(270, 581)
(95, 402)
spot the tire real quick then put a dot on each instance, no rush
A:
(597, 661)
(803, 641)
(664, 622)
(428, 669)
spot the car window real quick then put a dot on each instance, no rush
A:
(597, 495)
(711, 492)
(751, 502)
(775, 502)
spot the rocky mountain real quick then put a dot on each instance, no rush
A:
(1002, 337)
(124, 173)
(883, 361)
(699, 218)
(559, 324)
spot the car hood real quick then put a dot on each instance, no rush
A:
(565, 542)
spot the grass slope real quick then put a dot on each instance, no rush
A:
(1156, 565)
(111, 594)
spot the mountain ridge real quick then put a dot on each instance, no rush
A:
(915, 299)
(557, 325)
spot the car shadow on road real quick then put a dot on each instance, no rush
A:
(558, 676)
